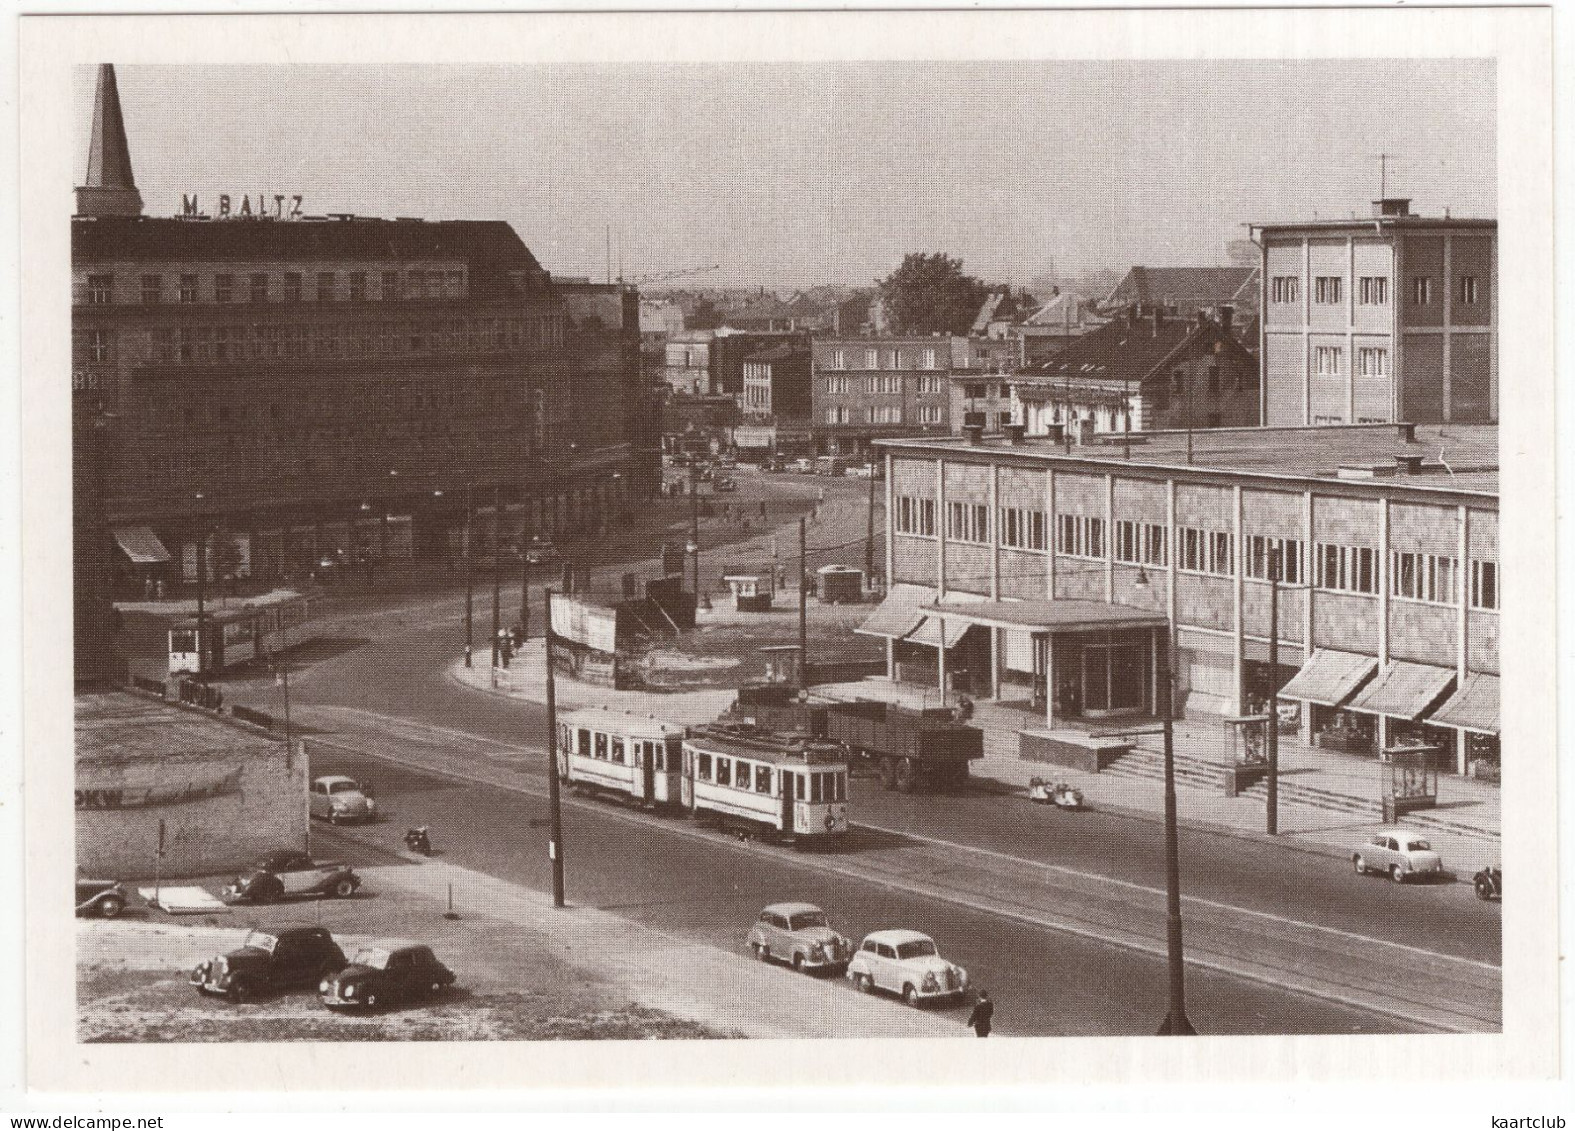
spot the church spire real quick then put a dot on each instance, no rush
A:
(111, 190)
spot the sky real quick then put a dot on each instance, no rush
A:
(790, 175)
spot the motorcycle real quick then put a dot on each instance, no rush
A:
(1489, 883)
(417, 840)
(1059, 794)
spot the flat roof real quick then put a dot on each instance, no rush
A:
(1064, 615)
(1455, 458)
(123, 729)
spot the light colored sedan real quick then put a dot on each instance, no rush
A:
(800, 934)
(336, 798)
(1400, 853)
(906, 963)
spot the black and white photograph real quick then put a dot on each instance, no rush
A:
(769, 534)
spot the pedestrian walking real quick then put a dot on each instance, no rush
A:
(983, 1012)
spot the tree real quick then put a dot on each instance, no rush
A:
(930, 294)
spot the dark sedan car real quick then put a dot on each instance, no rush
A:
(287, 873)
(270, 960)
(386, 972)
(103, 898)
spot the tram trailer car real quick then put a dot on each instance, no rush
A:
(791, 785)
(906, 748)
(622, 754)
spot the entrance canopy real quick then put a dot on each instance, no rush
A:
(1330, 677)
(1048, 616)
(1473, 707)
(141, 545)
(908, 613)
(1404, 691)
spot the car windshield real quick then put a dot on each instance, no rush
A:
(374, 956)
(1417, 844)
(343, 787)
(918, 948)
(261, 940)
(806, 919)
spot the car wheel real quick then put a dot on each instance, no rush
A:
(1359, 865)
(1397, 873)
(798, 963)
(111, 906)
(345, 888)
(763, 953)
(240, 992)
(910, 996)
(864, 983)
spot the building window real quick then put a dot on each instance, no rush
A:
(390, 290)
(837, 414)
(152, 290)
(929, 414)
(358, 286)
(915, 516)
(1421, 290)
(929, 386)
(325, 286)
(188, 288)
(1372, 290)
(872, 359)
(1345, 569)
(1467, 292)
(259, 286)
(1326, 289)
(968, 522)
(1326, 360)
(1205, 551)
(837, 384)
(1484, 584)
(884, 414)
(1022, 528)
(1284, 288)
(928, 360)
(1372, 362)
(839, 360)
(1292, 553)
(1140, 543)
(1080, 536)
(224, 288)
(1424, 577)
(292, 286)
(100, 289)
(98, 346)
(889, 385)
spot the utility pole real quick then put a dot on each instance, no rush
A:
(869, 529)
(555, 843)
(1126, 419)
(526, 538)
(497, 575)
(694, 528)
(202, 572)
(469, 582)
(1175, 1023)
(803, 610)
(1272, 738)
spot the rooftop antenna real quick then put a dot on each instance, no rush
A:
(1383, 174)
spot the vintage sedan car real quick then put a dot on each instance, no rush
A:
(286, 873)
(384, 972)
(103, 898)
(1400, 853)
(799, 934)
(338, 799)
(906, 963)
(725, 483)
(1489, 883)
(268, 961)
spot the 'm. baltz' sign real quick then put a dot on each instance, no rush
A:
(277, 207)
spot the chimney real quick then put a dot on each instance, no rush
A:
(1083, 432)
(1407, 432)
(1159, 319)
(1056, 433)
(1408, 464)
(1392, 206)
(1132, 314)
(1014, 433)
(975, 434)
(1227, 313)
(1202, 317)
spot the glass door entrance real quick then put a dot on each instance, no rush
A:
(1112, 675)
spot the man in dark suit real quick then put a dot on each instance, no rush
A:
(983, 1012)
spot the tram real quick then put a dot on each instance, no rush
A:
(620, 753)
(792, 785)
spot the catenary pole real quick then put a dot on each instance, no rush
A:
(1272, 737)
(555, 843)
(803, 609)
(1175, 1023)
(497, 575)
(469, 583)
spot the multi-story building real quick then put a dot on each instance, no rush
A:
(1390, 318)
(1143, 371)
(1032, 574)
(776, 384)
(293, 389)
(865, 388)
(705, 363)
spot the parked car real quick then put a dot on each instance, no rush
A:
(103, 898)
(337, 799)
(1489, 883)
(725, 483)
(1399, 852)
(542, 553)
(800, 934)
(268, 961)
(385, 972)
(290, 873)
(804, 466)
(906, 963)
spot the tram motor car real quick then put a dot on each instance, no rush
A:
(792, 786)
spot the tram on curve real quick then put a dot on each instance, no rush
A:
(793, 785)
(628, 755)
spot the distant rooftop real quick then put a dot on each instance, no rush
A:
(1452, 457)
(119, 728)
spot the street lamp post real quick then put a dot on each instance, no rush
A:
(1175, 1023)
(202, 570)
(694, 528)
(1272, 738)
(469, 583)
(497, 577)
(555, 844)
(803, 610)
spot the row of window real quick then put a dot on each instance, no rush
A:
(887, 359)
(886, 385)
(272, 342)
(1371, 290)
(287, 286)
(1371, 361)
(816, 787)
(610, 748)
(883, 414)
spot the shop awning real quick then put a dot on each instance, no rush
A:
(1474, 706)
(141, 545)
(1330, 677)
(1051, 616)
(1404, 691)
(929, 631)
(900, 613)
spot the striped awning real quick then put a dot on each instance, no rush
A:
(141, 545)
(1473, 707)
(929, 631)
(1330, 677)
(1404, 690)
(900, 613)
